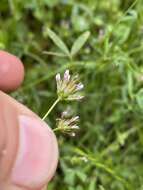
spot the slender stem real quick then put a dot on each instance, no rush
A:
(51, 108)
(54, 53)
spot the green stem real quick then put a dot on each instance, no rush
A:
(51, 108)
(54, 53)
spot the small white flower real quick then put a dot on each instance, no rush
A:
(75, 127)
(72, 134)
(67, 113)
(66, 75)
(68, 126)
(68, 88)
(64, 114)
(79, 86)
(58, 77)
(74, 119)
(75, 97)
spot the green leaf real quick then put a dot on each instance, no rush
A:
(79, 43)
(82, 176)
(131, 16)
(92, 185)
(69, 177)
(101, 187)
(57, 41)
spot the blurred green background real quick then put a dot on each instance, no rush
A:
(107, 153)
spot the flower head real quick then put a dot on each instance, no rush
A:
(68, 126)
(68, 88)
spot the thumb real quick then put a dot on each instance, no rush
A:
(28, 148)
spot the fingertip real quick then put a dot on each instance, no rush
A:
(38, 153)
(11, 72)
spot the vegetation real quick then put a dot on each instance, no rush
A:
(107, 152)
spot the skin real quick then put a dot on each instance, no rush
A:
(11, 72)
(28, 147)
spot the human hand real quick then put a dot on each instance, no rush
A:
(28, 147)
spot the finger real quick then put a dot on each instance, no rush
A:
(37, 152)
(11, 72)
(10, 138)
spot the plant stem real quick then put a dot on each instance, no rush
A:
(54, 53)
(51, 108)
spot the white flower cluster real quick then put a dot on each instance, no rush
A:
(68, 88)
(68, 126)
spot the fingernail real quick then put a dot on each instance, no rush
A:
(37, 153)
